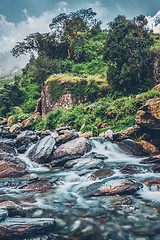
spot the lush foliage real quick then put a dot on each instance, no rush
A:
(113, 112)
(128, 48)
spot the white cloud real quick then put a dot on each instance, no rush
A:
(154, 22)
(121, 10)
(63, 7)
(99, 8)
(10, 33)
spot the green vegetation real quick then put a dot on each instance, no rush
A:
(108, 67)
(112, 112)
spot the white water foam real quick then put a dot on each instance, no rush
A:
(113, 152)
(32, 166)
(152, 194)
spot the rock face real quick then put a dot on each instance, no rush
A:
(42, 151)
(70, 150)
(18, 228)
(149, 115)
(47, 103)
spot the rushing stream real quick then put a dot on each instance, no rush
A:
(132, 216)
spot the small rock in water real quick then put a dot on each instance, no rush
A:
(37, 213)
(12, 208)
(33, 176)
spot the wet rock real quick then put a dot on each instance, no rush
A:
(20, 228)
(86, 163)
(130, 147)
(131, 169)
(15, 129)
(155, 159)
(42, 151)
(149, 114)
(128, 133)
(10, 142)
(152, 183)
(96, 155)
(70, 150)
(26, 135)
(3, 214)
(12, 208)
(102, 173)
(10, 164)
(24, 139)
(41, 185)
(68, 136)
(111, 187)
(156, 168)
(148, 148)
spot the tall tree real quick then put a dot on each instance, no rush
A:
(66, 27)
(128, 48)
(36, 42)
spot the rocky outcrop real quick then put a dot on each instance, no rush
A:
(47, 103)
(149, 115)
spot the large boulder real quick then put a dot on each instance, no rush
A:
(70, 150)
(42, 151)
(149, 115)
(110, 187)
(16, 228)
(148, 148)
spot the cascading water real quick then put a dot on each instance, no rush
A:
(94, 217)
(32, 166)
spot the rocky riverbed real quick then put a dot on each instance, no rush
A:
(59, 185)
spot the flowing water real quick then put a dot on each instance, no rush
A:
(131, 216)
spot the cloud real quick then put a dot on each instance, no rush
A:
(99, 8)
(10, 33)
(154, 22)
(120, 9)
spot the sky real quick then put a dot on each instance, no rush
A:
(19, 18)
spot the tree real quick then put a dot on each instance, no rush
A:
(66, 27)
(128, 49)
(36, 42)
